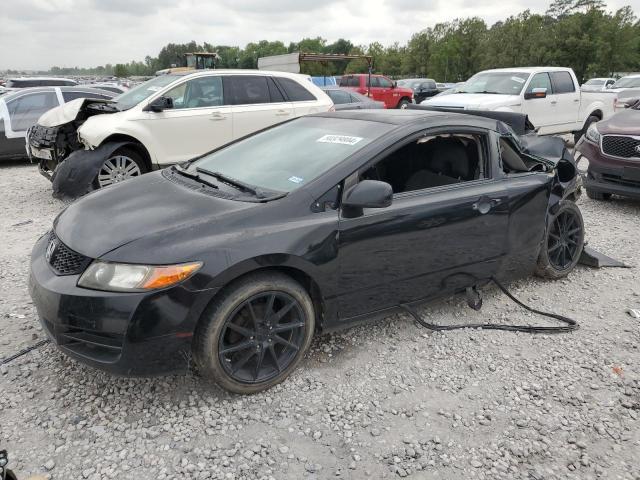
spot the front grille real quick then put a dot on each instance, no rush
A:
(619, 146)
(64, 260)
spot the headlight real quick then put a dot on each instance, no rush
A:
(593, 135)
(127, 277)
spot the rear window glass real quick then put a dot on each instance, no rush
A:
(248, 89)
(294, 91)
(339, 96)
(350, 82)
(562, 82)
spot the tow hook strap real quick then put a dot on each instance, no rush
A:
(569, 326)
(24, 351)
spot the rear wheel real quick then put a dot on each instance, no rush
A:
(255, 334)
(121, 165)
(593, 195)
(563, 242)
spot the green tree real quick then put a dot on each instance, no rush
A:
(121, 70)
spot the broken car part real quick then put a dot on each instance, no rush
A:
(386, 209)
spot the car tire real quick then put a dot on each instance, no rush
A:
(593, 195)
(403, 104)
(237, 319)
(578, 135)
(121, 165)
(563, 242)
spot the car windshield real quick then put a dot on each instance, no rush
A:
(594, 82)
(627, 82)
(501, 83)
(291, 155)
(145, 90)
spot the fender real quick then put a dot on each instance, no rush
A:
(73, 177)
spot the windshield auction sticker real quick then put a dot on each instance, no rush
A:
(340, 139)
(518, 79)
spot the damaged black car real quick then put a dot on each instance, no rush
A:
(237, 258)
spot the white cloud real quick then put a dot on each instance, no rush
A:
(37, 34)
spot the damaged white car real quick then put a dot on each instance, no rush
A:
(90, 144)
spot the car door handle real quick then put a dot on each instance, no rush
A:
(484, 205)
(576, 100)
(282, 113)
(553, 102)
(216, 117)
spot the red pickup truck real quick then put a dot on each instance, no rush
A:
(382, 89)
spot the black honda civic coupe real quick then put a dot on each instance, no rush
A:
(235, 259)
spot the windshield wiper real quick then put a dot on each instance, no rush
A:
(231, 181)
(194, 176)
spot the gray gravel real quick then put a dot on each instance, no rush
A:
(383, 400)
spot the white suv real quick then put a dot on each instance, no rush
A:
(176, 117)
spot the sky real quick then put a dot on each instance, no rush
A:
(38, 34)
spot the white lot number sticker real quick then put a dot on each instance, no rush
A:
(295, 179)
(339, 139)
(154, 88)
(517, 79)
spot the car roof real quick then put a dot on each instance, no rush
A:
(406, 117)
(43, 78)
(236, 71)
(64, 88)
(528, 69)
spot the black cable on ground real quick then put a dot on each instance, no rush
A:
(24, 351)
(569, 327)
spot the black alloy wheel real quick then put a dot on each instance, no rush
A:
(261, 337)
(563, 242)
(255, 332)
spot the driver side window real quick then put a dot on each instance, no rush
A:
(428, 162)
(540, 80)
(197, 93)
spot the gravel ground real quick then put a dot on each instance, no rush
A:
(383, 400)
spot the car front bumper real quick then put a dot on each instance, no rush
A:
(131, 334)
(609, 174)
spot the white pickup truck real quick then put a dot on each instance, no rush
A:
(550, 96)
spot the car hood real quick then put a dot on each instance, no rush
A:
(625, 122)
(143, 207)
(67, 112)
(473, 101)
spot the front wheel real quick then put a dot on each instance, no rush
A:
(121, 165)
(564, 239)
(404, 103)
(255, 334)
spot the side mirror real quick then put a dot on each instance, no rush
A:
(368, 194)
(159, 104)
(394, 84)
(536, 93)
